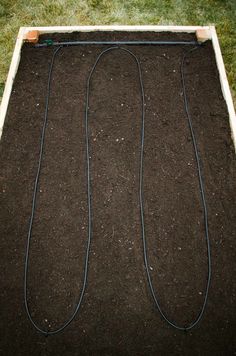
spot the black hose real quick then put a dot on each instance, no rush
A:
(50, 42)
(85, 273)
(203, 199)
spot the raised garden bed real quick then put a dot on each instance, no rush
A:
(118, 315)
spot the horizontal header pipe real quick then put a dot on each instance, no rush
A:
(138, 43)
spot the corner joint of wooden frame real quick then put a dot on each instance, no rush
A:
(203, 35)
(32, 36)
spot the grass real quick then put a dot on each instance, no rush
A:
(16, 13)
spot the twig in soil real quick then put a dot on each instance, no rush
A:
(113, 232)
(124, 177)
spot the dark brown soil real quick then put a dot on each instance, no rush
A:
(118, 316)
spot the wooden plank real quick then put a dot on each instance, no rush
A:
(10, 78)
(224, 83)
(155, 28)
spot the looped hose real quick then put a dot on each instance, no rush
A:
(85, 272)
(141, 195)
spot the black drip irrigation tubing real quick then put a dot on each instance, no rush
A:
(50, 42)
(141, 195)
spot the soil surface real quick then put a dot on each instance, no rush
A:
(118, 315)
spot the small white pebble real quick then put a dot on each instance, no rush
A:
(151, 268)
(121, 104)
(117, 140)
(122, 138)
(37, 104)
